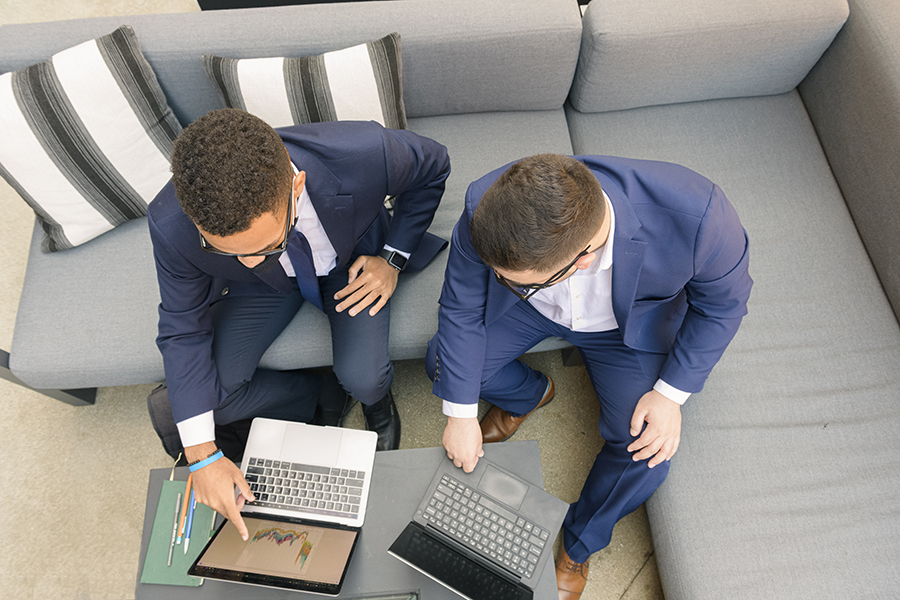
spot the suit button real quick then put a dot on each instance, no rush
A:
(225, 292)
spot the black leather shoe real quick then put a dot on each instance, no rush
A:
(383, 419)
(334, 403)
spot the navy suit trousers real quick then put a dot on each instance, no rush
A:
(616, 484)
(245, 326)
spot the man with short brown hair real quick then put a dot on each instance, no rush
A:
(641, 265)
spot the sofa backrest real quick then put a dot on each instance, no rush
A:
(853, 99)
(647, 52)
(459, 56)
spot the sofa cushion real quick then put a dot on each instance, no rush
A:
(642, 53)
(360, 83)
(86, 137)
(87, 317)
(785, 482)
(477, 144)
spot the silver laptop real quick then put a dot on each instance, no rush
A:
(486, 535)
(322, 473)
(311, 485)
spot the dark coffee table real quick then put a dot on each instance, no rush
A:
(399, 480)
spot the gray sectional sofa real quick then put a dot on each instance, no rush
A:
(787, 481)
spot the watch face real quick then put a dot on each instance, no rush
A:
(395, 259)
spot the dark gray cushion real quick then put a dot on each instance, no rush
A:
(459, 56)
(477, 144)
(646, 52)
(853, 98)
(787, 477)
(87, 317)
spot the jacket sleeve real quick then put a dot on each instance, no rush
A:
(461, 320)
(185, 331)
(717, 296)
(417, 168)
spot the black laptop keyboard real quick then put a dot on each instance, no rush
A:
(305, 488)
(491, 530)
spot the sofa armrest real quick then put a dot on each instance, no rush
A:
(648, 52)
(853, 99)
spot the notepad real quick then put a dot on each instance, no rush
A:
(155, 568)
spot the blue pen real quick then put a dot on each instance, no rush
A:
(190, 520)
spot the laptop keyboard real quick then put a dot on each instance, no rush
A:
(305, 488)
(459, 572)
(491, 530)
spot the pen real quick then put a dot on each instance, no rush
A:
(212, 526)
(187, 494)
(174, 529)
(190, 520)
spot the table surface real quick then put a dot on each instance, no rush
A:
(400, 478)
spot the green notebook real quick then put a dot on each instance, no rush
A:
(155, 564)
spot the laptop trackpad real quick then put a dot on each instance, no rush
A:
(504, 488)
(316, 445)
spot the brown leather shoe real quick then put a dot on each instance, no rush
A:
(498, 425)
(570, 575)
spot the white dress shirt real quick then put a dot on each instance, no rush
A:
(581, 302)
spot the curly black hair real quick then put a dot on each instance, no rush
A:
(229, 167)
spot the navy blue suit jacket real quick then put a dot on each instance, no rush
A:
(679, 276)
(350, 168)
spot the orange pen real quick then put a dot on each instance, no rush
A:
(184, 507)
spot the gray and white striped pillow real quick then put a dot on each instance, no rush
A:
(86, 137)
(361, 83)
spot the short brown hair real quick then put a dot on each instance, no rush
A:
(538, 215)
(229, 167)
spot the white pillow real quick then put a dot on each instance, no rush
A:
(86, 137)
(361, 83)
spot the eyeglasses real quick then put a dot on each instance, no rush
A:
(526, 291)
(207, 247)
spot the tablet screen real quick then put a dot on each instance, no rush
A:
(279, 553)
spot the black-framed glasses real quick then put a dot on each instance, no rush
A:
(526, 291)
(207, 247)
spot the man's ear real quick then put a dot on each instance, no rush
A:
(299, 183)
(585, 261)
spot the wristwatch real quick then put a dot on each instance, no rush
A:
(393, 258)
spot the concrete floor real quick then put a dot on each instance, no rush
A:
(77, 477)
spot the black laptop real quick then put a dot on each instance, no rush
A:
(486, 535)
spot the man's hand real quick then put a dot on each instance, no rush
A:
(378, 280)
(462, 440)
(663, 433)
(214, 485)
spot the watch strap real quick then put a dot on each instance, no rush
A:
(393, 258)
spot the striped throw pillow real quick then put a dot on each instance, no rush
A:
(362, 83)
(86, 137)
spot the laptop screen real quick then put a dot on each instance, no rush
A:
(279, 553)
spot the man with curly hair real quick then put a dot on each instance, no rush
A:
(254, 223)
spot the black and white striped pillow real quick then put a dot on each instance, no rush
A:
(361, 83)
(86, 137)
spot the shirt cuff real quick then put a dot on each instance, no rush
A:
(673, 394)
(405, 255)
(461, 411)
(197, 430)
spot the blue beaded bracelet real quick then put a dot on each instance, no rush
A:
(209, 459)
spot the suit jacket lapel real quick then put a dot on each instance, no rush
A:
(628, 254)
(276, 278)
(335, 210)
